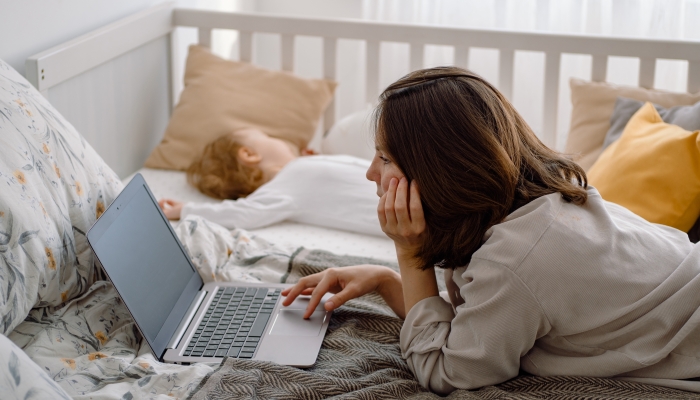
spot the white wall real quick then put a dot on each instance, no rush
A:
(30, 26)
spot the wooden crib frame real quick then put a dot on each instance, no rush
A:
(68, 61)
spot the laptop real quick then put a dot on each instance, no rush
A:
(182, 319)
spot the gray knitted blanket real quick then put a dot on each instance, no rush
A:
(361, 359)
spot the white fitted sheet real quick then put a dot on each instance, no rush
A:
(173, 185)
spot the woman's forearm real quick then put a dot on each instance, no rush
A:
(391, 290)
(418, 284)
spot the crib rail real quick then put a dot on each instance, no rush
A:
(417, 36)
(124, 122)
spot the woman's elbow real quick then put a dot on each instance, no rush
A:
(442, 375)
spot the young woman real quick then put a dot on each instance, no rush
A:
(544, 275)
(262, 181)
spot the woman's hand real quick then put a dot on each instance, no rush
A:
(401, 217)
(171, 208)
(348, 283)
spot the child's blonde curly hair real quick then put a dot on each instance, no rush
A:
(218, 173)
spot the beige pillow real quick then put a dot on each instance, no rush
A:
(221, 96)
(593, 104)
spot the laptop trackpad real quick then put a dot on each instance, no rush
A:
(292, 323)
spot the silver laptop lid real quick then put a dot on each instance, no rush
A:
(145, 261)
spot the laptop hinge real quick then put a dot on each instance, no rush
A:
(180, 331)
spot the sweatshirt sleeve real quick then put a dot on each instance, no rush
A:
(480, 342)
(245, 213)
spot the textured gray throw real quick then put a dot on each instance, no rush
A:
(361, 359)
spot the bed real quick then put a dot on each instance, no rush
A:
(66, 333)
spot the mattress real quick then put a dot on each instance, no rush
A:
(173, 185)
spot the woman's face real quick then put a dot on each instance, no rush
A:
(382, 170)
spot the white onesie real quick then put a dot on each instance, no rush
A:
(325, 190)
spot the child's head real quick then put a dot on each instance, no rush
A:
(237, 163)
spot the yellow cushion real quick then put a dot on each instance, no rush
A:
(653, 170)
(593, 104)
(221, 96)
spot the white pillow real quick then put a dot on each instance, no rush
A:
(352, 135)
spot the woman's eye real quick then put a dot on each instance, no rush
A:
(384, 159)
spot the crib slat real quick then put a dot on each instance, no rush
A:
(693, 76)
(288, 53)
(551, 98)
(372, 71)
(647, 69)
(599, 69)
(417, 53)
(329, 68)
(462, 56)
(245, 46)
(505, 72)
(204, 35)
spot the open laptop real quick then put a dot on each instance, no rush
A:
(183, 320)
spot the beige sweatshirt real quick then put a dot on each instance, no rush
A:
(561, 289)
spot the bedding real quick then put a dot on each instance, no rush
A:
(593, 104)
(221, 96)
(687, 117)
(353, 135)
(640, 170)
(90, 347)
(91, 350)
(54, 185)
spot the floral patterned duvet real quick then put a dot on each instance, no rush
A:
(91, 347)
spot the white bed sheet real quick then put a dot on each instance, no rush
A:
(173, 185)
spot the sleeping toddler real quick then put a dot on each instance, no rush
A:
(262, 181)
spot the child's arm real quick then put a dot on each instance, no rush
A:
(252, 212)
(171, 208)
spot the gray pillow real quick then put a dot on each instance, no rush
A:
(687, 117)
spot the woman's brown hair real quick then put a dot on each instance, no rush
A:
(473, 156)
(218, 173)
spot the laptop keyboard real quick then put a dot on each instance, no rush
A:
(233, 323)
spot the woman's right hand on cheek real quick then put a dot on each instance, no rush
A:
(346, 283)
(400, 213)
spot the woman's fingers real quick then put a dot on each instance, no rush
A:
(329, 280)
(416, 208)
(305, 283)
(389, 203)
(401, 206)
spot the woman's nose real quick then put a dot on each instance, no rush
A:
(371, 173)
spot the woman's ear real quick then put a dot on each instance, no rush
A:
(248, 157)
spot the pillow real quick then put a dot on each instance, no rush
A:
(54, 186)
(221, 96)
(653, 170)
(351, 135)
(687, 117)
(23, 378)
(593, 104)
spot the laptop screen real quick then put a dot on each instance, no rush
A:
(146, 263)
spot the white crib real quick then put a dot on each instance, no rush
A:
(82, 77)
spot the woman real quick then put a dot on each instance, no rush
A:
(545, 275)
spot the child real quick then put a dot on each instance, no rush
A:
(264, 181)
